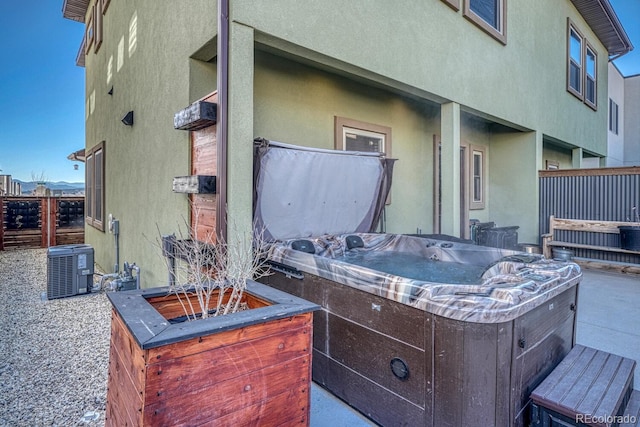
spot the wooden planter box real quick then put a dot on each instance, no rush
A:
(251, 367)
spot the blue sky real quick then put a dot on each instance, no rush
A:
(42, 90)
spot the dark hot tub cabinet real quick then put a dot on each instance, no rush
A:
(412, 331)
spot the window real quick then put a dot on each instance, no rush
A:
(477, 178)
(552, 165)
(352, 135)
(94, 184)
(590, 77)
(89, 33)
(574, 78)
(97, 16)
(489, 15)
(613, 117)
(582, 67)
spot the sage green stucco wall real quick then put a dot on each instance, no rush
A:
(562, 156)
(384, 64)
(513, 176)
(430, 48)
(296, 104)
(426, 49)
(141, 160)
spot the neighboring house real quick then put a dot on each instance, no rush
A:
(472, 97)
(624, 126)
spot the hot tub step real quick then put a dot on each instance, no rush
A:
(631, 417)
(589, 387)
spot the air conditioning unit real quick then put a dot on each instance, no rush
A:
(69, 270)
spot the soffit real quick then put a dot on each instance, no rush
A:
(603, 20)
(75, 10)
(78, 156)
(80, 55)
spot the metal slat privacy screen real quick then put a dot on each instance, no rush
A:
(608, 194)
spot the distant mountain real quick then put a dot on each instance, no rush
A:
(28, 187)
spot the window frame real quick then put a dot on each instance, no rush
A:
(588, 48)
(552, 165)
(475, 204)
(500, 33)
(89, 32)
(98, 25)
(575, 92)
(92, 217)
(614, 117)
(342, 122)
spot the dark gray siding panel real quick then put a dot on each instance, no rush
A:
(607, 197)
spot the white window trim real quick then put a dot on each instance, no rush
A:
(344, 125)
(479, 203)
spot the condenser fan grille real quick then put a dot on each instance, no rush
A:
(60, 283)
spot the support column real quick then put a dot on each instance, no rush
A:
(576, 158)
(240, 133)
(602, 162)
(515, 159)
(450, 168)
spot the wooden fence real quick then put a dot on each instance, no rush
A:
(40, 222)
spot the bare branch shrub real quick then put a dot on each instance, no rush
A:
(214, 272)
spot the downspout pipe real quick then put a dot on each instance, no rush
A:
(223, 118)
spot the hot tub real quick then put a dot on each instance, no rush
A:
(416, 331)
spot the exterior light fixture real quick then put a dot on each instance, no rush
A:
(128, 119)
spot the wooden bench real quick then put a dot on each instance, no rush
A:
(588, 388)
(550, 241)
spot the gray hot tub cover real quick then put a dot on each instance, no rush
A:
(305, 192)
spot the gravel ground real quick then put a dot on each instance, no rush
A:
(54, 354)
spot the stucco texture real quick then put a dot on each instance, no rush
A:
(141, 160)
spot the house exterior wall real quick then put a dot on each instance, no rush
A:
(556, 154)
(616, 142)
(155, 79)
(631, 122)
(297, 104)
(426, 50)
(436, 52)
(421, 69)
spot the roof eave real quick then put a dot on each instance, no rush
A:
(604, 22)
(76, 10)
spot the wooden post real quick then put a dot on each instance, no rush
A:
(1, 223)
(53, 223)
(44, 222)
(48, 214)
